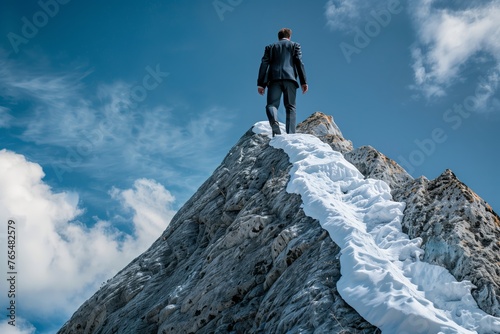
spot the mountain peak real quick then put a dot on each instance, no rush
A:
(323, 126)
(242, 256)
(320, 124)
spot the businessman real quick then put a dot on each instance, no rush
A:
(279, 69)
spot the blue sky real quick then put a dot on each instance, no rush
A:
(113, 113)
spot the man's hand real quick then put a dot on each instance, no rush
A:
(305, 88)
(261, 90)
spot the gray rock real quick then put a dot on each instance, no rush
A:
(239, 257)
(460, 232)
(373, 164)
(242, 257)
(324, 127)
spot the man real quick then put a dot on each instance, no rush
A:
(280, 66)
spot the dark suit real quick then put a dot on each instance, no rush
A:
(279, 69)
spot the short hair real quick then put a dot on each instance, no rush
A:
(285, 33)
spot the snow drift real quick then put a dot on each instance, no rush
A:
(382, 275)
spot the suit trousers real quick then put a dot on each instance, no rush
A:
(289, 90)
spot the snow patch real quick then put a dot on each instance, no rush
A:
(382, 275)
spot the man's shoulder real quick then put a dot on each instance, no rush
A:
(287, 41)
(281, 42)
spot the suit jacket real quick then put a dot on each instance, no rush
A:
(282, 61)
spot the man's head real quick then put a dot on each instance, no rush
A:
(285, 33)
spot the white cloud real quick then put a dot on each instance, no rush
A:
(99, 129)
(340, 12)
(31, 81)
(21, 327)
(61, 261)
(151, 203)
(450, 39)
(101, 133)
(345, 15)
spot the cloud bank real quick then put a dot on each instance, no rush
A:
(101, 140)
(61, 261)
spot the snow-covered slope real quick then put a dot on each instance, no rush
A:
(287, 236)
(382, 275)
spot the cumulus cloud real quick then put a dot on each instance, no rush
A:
(151, 204)
(109, 138)
(61, 261)
(21, 327)
(450, 39)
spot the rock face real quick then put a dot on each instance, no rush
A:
(375, 165)
(460, 232)
(242, 257)
(323, 127)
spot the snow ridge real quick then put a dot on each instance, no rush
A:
(382, 277)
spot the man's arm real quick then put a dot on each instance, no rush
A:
(263, 70)
(299, 66)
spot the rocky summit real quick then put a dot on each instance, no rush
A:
(241, 256)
